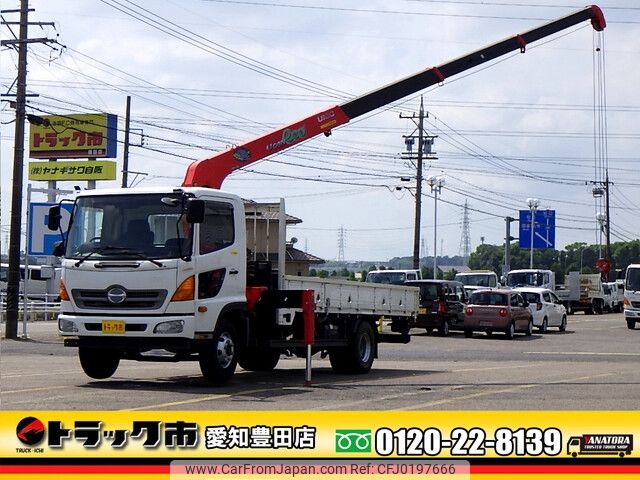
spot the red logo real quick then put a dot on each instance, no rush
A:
(30, 431)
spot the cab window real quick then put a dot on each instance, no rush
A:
(217, 230)
(547, 297)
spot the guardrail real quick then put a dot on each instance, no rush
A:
(36, 309)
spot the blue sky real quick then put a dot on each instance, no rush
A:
(207, 74)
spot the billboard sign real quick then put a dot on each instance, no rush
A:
(75, 170)
(92, 135)
(41, 239)
(544, 231)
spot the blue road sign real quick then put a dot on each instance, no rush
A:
(544, 231)
(41, 239)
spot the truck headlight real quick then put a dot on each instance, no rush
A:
(67, 326)
(174, 326)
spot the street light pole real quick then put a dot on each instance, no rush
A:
(436, 184)
(533, 204)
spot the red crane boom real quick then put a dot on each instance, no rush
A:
(211, 172)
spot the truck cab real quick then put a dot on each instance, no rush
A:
(393, 277)
(632, 296)
(478, 279)
(531, 278)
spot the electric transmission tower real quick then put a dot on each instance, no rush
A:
(465, 239)
(342, 241)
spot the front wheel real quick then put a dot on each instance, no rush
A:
(99, 363)
(631, 324)
(219, 358)
(468, 333)
(358, 356)
(569, 308)
(563, 324)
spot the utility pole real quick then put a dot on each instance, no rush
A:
(422, 141)
(507, 245)
(600, 189)
(125, 155)
(13, 273)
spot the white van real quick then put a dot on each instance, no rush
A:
(393, 277)
(632, 295)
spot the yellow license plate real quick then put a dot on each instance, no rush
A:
(422, 311)
(113, 326)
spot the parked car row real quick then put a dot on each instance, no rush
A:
(445, 305)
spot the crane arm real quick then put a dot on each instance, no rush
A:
(211, 172)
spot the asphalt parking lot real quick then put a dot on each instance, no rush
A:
(591, 366)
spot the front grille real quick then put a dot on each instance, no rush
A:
(135, 299)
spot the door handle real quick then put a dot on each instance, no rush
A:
(233, 272)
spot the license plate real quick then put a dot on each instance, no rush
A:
(486, 324)
(113, 326)
(422, 311)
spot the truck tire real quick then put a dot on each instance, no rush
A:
(219, 359)
(569, 308)
(358, 356)
(468, 333)
(598, 307)
(259, 359)
(99, 363)
(631, 324)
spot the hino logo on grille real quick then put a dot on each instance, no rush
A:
(116, 295)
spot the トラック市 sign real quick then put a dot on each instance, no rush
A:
(93, 135)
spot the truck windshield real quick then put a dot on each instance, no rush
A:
(477, 280)
(129, 227)
(632, 282)
(523, 279)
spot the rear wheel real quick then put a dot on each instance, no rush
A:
(545, 325)
(529, 331)
(259, 359)
(468, 333)
(358, 356)
(631, 324)
(219, 359)
(598, 307)
(444, 328)
(563, 324)
(510, 331)
(99, 363)
(569, 308)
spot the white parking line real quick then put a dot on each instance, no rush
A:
(600, 354)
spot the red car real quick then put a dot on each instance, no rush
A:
(497, 311)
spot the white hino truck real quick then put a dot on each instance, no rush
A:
(171, 274)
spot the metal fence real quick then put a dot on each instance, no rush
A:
(32, 309)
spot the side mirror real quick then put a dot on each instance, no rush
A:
(195, 211)
(53, 221)
(58, 249)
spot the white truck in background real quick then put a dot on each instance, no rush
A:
(632, 295)
(392, 277)
(580, 292)
(478, 279)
